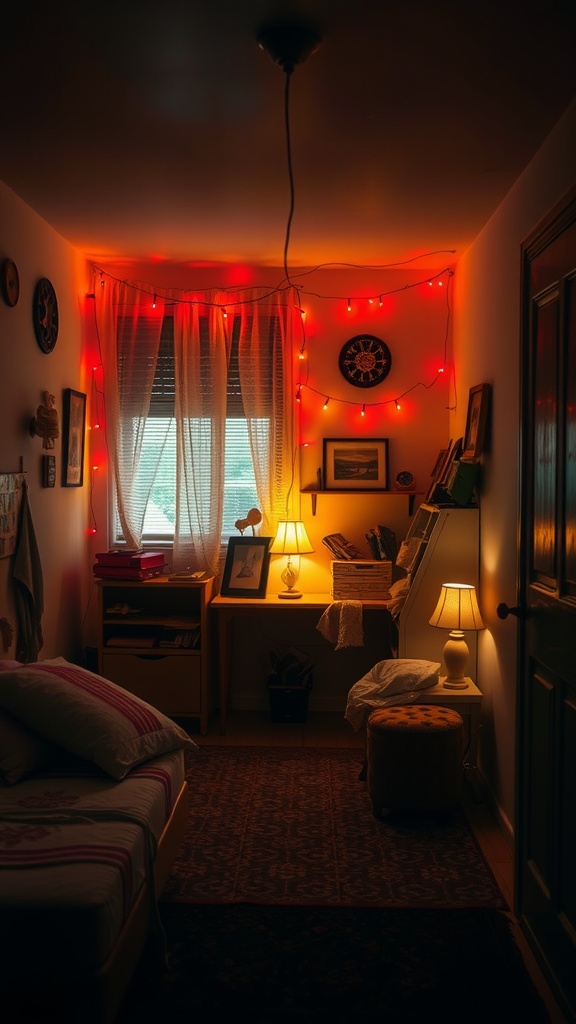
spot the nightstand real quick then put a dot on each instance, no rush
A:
(467, 704)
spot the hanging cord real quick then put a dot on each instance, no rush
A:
(288, 73)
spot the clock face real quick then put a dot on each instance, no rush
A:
(45, 314)
(365, 361)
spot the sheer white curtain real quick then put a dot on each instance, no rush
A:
(264, 326)
(268, 393)
(200, 409)
(126, 319)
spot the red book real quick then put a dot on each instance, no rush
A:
(131, 559)
(121, 572)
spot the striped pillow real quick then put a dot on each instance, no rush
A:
(88, 715)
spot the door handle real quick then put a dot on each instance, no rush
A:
(503, 611)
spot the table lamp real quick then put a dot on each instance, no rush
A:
(291, 539)
(457, 610)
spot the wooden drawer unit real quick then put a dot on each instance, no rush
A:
(171, 682)
(154, 640)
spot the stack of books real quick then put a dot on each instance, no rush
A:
(129, 564)
(361, 580)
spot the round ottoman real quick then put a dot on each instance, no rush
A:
(414, 757)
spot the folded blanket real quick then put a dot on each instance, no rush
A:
(341, 624)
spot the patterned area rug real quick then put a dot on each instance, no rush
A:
(302, 965)
(294, 826)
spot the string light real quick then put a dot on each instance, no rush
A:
(367, 405)
(266, 294)
(283, 287)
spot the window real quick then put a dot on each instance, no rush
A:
(156, 476)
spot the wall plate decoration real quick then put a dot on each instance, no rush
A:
(45, 314)
(365, 361)
(10, 282)
(48, 471)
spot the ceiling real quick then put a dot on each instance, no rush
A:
(159, 130)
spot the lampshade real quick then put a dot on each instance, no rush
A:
(291, 539)
(457, 609)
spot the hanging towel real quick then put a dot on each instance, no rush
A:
(29, 586)
(341, 624)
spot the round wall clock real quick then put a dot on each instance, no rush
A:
(45, 314)
(10, 282)
(365, 361)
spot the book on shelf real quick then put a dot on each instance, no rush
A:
(131, 641)
(187, 639)
(131, 558)
(122, 572)
(340, 547)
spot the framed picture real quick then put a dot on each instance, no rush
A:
(452, 456)
(74, 408)
(476, 419)
(246, 568)
(352, 464)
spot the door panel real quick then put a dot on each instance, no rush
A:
(545, 875)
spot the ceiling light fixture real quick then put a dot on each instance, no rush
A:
(288, 44)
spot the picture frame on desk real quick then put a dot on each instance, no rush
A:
(246, 568)
(356, 464)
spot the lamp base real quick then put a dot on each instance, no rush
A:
(290, 594)
(455, 684)
(455, 659)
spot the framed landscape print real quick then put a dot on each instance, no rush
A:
(351, 464)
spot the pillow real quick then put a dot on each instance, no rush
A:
(89, 716)
(393, 681)
(22, 752)
(400, 675)
(9, 664)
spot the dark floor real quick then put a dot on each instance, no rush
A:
(254, 728)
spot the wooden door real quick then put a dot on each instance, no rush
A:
(546, 742)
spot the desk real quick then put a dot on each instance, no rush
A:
(228, 608)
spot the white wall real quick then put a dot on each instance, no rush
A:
(59, 514)
(487, 348)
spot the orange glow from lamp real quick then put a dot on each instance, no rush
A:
(457, 610)
(291, 539)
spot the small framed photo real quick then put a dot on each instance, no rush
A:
(246, 568)
(478, 399)
(74, 408)
(351, 464)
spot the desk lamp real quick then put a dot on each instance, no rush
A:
(457, 610)
(291, 539)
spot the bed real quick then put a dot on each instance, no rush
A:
(93, 807)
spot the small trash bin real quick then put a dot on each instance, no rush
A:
(289, 686)
(289, 703)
